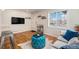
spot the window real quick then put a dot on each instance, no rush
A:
(57, 19)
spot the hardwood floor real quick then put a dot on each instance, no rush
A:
(24, 37)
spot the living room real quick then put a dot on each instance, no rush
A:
(23, 32)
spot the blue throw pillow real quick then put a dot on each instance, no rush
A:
(70, 34)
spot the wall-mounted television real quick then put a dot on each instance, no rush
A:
(17, 20)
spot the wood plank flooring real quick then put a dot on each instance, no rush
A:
(23, 37)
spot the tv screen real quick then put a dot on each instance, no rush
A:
(17, 20)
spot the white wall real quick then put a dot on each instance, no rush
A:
(6, 21)
(72, 17)
(0, 22)
(30, 24)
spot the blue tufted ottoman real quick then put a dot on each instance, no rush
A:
(38, 41)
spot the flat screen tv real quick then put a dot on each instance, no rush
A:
(17, 20)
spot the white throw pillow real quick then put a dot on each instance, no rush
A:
(62, 39)
(73, 40)
(63, 32)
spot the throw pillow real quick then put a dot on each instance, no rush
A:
(70, 34)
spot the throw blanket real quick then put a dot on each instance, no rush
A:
(71, 46)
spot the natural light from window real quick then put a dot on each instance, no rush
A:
(57, 19)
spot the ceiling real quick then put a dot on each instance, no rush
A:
(32, 10)
(28, 10)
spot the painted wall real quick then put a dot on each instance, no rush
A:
(30, 24)
(0, 22)
(72, 18)
(6, 21)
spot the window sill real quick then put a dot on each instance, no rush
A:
(58, 27)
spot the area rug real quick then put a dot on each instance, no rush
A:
(27, 45)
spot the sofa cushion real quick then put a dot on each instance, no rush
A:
(58, 44)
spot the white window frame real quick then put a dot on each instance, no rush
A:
(52, 26)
